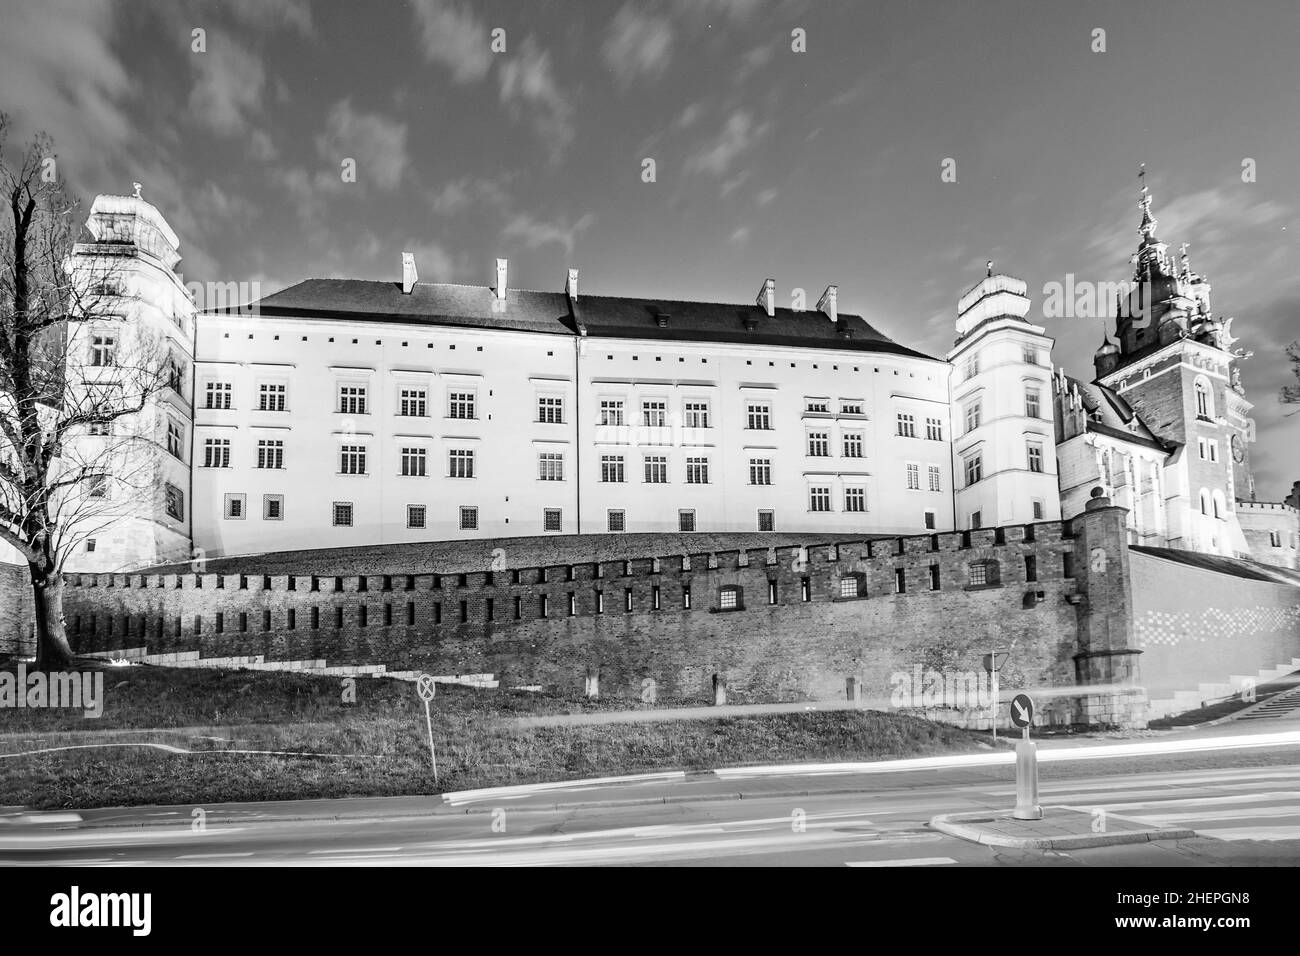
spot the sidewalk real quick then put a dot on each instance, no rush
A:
(1061, 828)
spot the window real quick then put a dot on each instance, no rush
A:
(974, 468)
(415, 516)
(971, 367)
(234, 507)
(1213, 446)
(972, 415)
(550, 466)
(852, 408)
(1030, 355)
(352, 399)
(216, 453)
(654, 414)
(906, 425)
(819, 499)
(174, 442)
(176, 374)
(656, 470)
(273, 509)
(270, 453)
(413, 402)
(1031, 401)
(352, 460)
(270, 397)
(817, 406)
(933, 472)
(853, 444)
(1039, 509)
(686, 521)
(855, 499)
(978, 574)
(934, 429)
(760, 471)
(617, 521)
(1031, 568)
(90, 546)
(460, 405)
(697, 414)
(103, 350)
(413, 462)
(611, 468)
(460, 463)
(934, 577)
(611, 412)
(1035, 450)
(1202, 448)
(729, 598)
(697, 471)
(1204, 406)
(758, 416)
(819, 444)
(929, 521)
(100, 428)
(468, 519)
(976, 519)
(900, 580)
(175, 501)
(552, 519)
(686, 597)
(766, 521)
(1275, 539)
(216, 395)
(913, 477)
(1205, 503)
(343, 514)
(550, 410)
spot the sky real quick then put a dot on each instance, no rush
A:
(814, 166)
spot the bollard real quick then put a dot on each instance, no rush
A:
(853, 691)
(1027, 807)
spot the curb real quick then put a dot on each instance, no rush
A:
(959, 825)
(37, 817)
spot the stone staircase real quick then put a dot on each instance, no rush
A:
(316, 666)
(1185, 700)
(1285, 704)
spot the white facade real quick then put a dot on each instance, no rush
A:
(542, 433)
(1003, 436)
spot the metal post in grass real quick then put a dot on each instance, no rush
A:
(426, 687)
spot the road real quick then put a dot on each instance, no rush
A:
(1243, 804)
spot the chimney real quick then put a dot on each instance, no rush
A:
(827, 303)
(501, 279)
(767, 297)
(409, 276)
(571, 285)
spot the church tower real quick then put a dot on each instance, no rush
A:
(1001, 407)
(1172, 361)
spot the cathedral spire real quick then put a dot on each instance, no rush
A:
(1151, 251)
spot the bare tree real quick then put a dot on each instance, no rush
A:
(75, 374)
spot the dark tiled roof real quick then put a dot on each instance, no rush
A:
(1117, 416)
(1216, 562)
(601, 316)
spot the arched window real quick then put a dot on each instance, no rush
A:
(1204, 401)
(1205, 503)
(1220, 506)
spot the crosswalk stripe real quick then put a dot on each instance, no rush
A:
(1251, 833)
(916, 861)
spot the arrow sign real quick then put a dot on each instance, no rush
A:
(1022, 710)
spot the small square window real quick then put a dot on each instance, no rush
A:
(342, 514)
(273, 507)
(468, 519)
(686, 521)
(617, 521)
(415, 516)
(552, 519)
(235, 506)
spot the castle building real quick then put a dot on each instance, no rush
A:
(341, 412)
(1165, 426)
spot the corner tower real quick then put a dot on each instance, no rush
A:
(1001, 406)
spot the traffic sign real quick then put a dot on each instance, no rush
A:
(993, 662)
(426, 687)
(1022, 710)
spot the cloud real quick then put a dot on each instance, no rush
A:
(528, 85)
(260, 15)
(637, 45)
(377, 143)
(766, 197)
(59, 74)
(454, 37)
(739, 236)
(736, 137)
(460, 194)
(228, 86)
(534, 233)
(434, 263)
